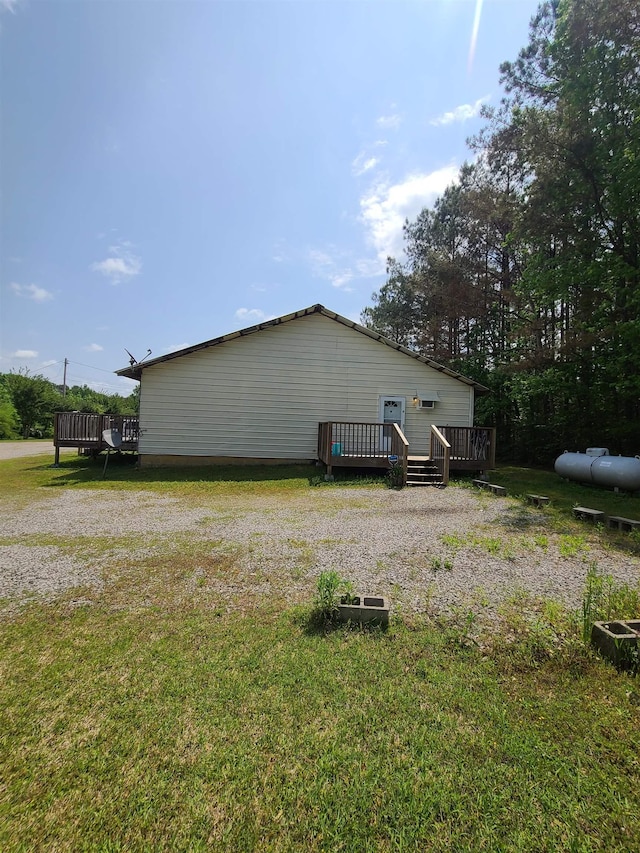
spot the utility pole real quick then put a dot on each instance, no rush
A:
(64, 378)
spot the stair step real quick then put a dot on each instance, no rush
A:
(422, 472)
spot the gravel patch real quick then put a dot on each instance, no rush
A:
(384, 542)
(95, 513)
(15, 449)
(42, 570)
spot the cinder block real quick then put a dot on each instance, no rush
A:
(616, 640)
(587, 514)
(371, 609)
(538, 500)
(617, 522)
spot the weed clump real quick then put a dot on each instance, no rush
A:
(330, 588)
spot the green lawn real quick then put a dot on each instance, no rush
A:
(187, 730)
(176, 726)
(28, 475)
(564, 494)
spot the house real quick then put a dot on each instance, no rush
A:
(263, 393)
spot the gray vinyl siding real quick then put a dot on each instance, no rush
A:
(263, 395)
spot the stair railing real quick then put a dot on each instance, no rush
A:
(440, 453)
(400, 448)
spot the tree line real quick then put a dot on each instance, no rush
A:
(525, 273)
(28, 404)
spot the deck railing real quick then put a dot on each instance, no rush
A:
(354, 444)
(84, 430)
(440, 453)
(471, 446)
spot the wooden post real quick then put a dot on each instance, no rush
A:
(329, 449)
(492, 460)
(56, 460)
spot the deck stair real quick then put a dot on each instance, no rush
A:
(422, 472)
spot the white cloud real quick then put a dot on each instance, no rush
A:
(123, 264)
(385, 207)
(341, 269)
(252, 316)
(176, 347)
(363, 163)
(331, 267)
(93, 348)
(280, 253)
(392, 121)
(370, 267)
(25, 353)
(462, 113)
(9, 5)
(31, 291)
(341, 280)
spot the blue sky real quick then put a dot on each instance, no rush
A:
(173, 170)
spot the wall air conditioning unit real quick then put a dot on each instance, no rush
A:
(427, 401)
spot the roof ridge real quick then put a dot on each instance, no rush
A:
(134, 371)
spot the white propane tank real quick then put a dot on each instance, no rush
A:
(621, 472)
(615, 472)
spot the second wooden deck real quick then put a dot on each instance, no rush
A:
(84, 431)
(377, 445)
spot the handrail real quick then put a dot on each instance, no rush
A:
(440, 453)
(400, 448)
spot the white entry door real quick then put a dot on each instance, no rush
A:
(391, 412)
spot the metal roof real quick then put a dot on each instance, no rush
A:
(134, 371)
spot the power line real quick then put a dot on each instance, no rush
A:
(52, 364)
(91, 367)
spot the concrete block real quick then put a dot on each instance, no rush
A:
(538, 500)
(371, 609)
(587, 514)
(616, 640)
(617, 522)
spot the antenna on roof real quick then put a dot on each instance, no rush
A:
(133, 360)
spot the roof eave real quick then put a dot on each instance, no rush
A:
(135, 370)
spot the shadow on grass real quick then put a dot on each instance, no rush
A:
(316, 624)
(122, 469)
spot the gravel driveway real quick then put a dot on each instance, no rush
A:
(427, 549)
(14, 449)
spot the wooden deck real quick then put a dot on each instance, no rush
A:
(84, 431)
(350, 444)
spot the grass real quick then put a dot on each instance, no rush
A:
(572, 536)
(178, 730)
(23, 476)
(157, 718)
(564, 494)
